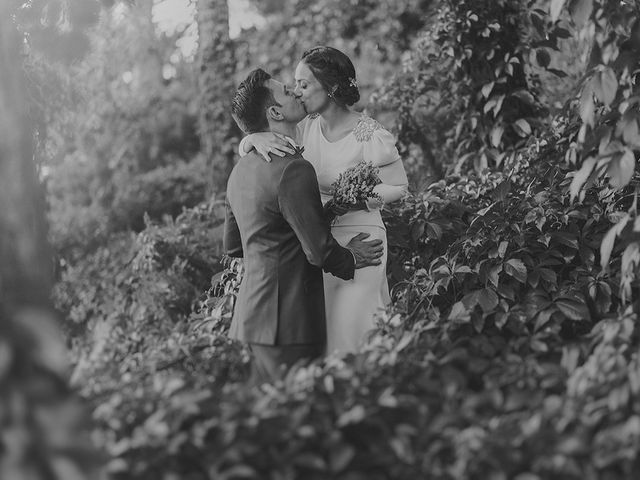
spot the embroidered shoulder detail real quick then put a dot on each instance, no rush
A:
(313, 116)
(363, 131)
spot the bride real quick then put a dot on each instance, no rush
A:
(335, 137)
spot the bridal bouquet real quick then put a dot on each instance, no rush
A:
(355, 185)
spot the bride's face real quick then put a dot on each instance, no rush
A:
(313, 96)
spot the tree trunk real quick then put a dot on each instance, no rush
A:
(218, 132)
(40, 421)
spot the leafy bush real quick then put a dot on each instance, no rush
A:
(509, 354)
(120, 134)
(162, 191)
(126, 298)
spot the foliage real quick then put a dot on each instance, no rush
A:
(120, 139)
(467, 93)
(509, 354)
(608, 140)
(58, 28)
(124, 300)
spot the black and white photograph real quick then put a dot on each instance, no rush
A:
(319, 240)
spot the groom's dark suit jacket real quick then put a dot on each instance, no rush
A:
(274, 219)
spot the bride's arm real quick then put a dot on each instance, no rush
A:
(381, 151)
(386, 194)
(268, 142)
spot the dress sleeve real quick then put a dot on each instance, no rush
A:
(381, 151)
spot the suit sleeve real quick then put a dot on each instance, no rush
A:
(299, 201)
(231, 241)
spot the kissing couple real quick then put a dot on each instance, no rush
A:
(288, 310)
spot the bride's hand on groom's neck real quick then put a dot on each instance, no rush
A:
(267, 143)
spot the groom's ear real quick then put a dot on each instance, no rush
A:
(274, 113)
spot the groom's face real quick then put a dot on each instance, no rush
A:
(290, 107)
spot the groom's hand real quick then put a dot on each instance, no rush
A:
(368, 253)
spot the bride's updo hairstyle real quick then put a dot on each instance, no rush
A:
(335, 72)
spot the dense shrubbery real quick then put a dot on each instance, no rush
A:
(509, 354)
(120, 139)
(128, 297)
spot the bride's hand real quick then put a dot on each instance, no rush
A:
(269, 142)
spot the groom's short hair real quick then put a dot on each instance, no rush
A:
(250, 102)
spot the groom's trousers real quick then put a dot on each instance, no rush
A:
(271, 362)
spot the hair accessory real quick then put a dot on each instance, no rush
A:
(333, 91)
(352, 82)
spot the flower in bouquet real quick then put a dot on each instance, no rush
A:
(355, 185)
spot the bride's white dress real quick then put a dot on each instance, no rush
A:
(351, 306)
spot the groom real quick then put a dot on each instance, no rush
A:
(275, 220)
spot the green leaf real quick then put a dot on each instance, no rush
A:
(502, 248)
(496, 135)
(555, 8)
(543, 58)
(566, 238)
(353, 415)
(581, 176)
(630, 133)
(587, 106)
(434, 231)
(470, 300)
(501, 191)
(517, 269)
(525, 96)
(489, 105)
(459, 313)
(340, 457)
(621, 167)
(542, 318)
(522, 127)
(548, 275)
(488, 299)
(494, 273)
(580, 11)
(534, 278)
(609, 86)
(606, 247)
(487, 88)
(570, 357)
(573, 307)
